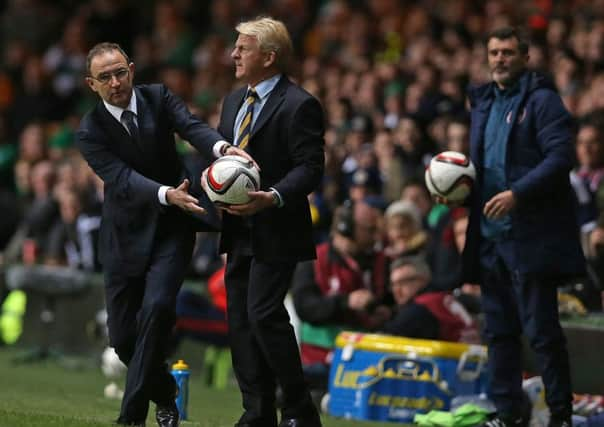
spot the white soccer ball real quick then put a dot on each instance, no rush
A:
(111, 365)
(112, 391)
(450, 175)
(229, 179)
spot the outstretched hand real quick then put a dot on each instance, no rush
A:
(259, 200)
(180, 197)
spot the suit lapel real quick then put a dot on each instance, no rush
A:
(230, 113)
(275, 99)
(119, 138)
(482, 119)
(117, 132)
(146, 124)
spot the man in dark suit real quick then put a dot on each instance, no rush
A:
(149, 219)
(281, 126)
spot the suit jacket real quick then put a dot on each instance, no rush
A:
(287, 143)
(539, 157)
(133, 173)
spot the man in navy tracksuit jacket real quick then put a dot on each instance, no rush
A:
(522, 238)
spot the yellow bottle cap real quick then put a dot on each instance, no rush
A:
(390, 373)
(180, 365)
(370, 370)
(425, 376)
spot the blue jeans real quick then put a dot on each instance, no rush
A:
(514, 303)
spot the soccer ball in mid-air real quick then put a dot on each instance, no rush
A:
(450, 175)
(229, 178)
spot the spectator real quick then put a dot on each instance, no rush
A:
(174, 40)
(22, 182)
(422, 312)
(37, 100)
(404, 231)
(587, 177)
(390, 166)
(364, 182)
(417, 193)
(458, 136)
(32, 143)
(73, 239)
(29, 239)
(344, 287)
(65, 61)
(412, 148)
(595, 256)
(443, 254)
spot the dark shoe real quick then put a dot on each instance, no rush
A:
(505, 421)
(166, 416)
(247, 420)
(256, 424)
(300, 422)
(122, 422)
(560, 422)
(247, 425)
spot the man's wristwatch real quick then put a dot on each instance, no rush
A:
(224, 148)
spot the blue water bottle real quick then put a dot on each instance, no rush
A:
(181, 373)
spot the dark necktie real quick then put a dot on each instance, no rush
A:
(243, 134)
(128, 118)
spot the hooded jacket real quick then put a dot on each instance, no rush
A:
(539, 156)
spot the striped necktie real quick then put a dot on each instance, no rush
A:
(243, 134)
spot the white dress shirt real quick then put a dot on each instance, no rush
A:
(116, 112)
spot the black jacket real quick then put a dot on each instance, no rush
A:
(287, 143)
(133, 174)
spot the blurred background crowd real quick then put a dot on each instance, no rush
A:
(391, 76)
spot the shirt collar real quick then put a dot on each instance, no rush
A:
(116, 112)
(266, 86)
(509, 91)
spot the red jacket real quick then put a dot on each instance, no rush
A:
(342, 275)
(455, 323)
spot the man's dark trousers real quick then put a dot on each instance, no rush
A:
(513, 303)
(141, 316)
(262, 338)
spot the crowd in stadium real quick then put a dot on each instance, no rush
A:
(392, 79)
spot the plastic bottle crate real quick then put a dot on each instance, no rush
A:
(386, 378)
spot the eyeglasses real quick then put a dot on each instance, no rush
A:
(105, 78)
(402, 281)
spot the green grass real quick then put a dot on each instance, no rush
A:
(49, 394)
